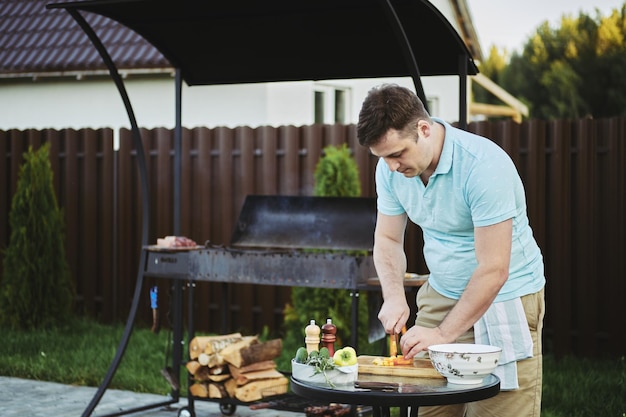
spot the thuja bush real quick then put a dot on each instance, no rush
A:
(36, 289)
(336, 175)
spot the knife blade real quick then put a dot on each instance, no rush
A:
(399, 387)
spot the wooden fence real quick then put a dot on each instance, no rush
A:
(573, 172)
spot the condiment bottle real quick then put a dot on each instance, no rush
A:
(312, 338)
(329, 331)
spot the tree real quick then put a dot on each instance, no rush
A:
(571, 71)
(36, 289)
(492, 67)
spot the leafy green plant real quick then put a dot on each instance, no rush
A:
(321, 362)
(337, 174)
(36, 289)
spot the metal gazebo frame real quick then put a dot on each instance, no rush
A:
(248, 41)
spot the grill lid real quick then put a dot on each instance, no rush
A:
(297, 222)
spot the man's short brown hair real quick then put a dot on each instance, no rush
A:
(388, 106)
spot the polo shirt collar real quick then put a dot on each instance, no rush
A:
(445, 159)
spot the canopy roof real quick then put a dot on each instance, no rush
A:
(244, 41)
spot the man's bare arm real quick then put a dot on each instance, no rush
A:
(493, 253)
(390, 262)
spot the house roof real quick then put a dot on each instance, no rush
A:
(36, 41)
(230, 42)
(466, 28)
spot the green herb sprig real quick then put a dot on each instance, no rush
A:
(322, 362)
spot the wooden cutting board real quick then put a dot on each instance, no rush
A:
(421, 368)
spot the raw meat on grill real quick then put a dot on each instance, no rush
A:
(176, 242)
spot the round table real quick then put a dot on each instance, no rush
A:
(407, 393)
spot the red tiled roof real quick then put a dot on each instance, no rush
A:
(36, 40)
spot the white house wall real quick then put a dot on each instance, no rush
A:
(94, 102)
(70, 103)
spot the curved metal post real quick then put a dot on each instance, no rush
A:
(463, 91)
(141, 164)
(178, 134)
(409, 57)
(177, 335)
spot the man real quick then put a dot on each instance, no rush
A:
(486, 271)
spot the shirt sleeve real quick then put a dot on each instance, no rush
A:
(387, 202)
(493, 190)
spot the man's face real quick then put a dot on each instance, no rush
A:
(407, 154)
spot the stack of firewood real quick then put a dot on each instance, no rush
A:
(235, 366)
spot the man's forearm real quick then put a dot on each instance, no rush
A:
(390, 263)
(480, 292)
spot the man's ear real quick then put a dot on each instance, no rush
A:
(423, 127)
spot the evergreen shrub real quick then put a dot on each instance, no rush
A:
(36, 290)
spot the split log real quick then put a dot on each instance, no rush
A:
(256, 390)
(210, 360)
(219, 370)
(215, 345)
(203, 359)
(231, 386)
(257, 366)
(199, 390)
(211, 344)
(217, 391)
(202, 374)
(219, 378)
(192, 367)
(256, 375)
(257, 352)
(231, 353)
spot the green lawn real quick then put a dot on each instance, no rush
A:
(81, 352)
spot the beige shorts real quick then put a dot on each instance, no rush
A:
(432, 307)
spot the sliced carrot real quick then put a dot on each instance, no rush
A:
(400, 360)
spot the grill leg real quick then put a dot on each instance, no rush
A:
(354, 337)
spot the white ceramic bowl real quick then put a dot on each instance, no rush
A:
(339, 376)
(464, 363)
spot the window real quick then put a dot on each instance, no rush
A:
(319, 106)
(433, 105)
(331, 104)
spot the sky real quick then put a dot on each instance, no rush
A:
(509, 23)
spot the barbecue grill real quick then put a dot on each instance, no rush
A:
(322, 242)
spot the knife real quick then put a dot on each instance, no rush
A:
(399, 387)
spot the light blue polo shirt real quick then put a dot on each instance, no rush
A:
(475, 184)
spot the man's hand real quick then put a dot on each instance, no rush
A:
(418, 338)
(394, 314)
